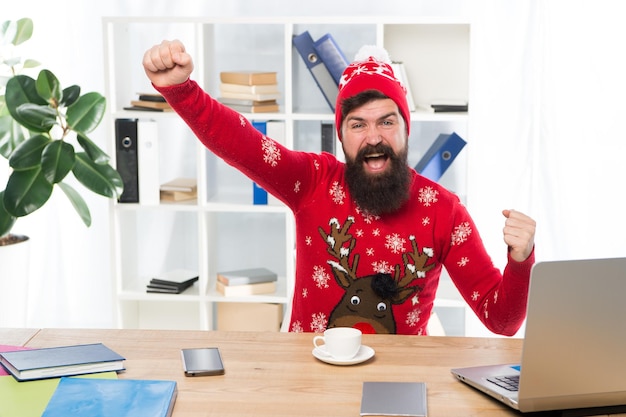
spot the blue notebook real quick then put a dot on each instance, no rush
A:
(86, 397)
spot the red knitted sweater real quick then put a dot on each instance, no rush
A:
(376, 273)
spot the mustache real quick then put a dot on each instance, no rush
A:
(379, 148)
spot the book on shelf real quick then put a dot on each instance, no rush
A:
(151, 104)
(305, 46)
(151, 97)
(249, 77)
(179, 189)
(399, 70)
(244, 101)
(246, 289)
(55, 362)
(246, 276)
(249, 89)
(30, 398)
(86, 397)
(448, 106)
(271, 107)
(252, 96)
(440, 155)
(394, 399)
(331, 54)
(172, 282)
(180, 184)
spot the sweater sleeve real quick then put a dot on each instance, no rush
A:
(233, 138)
(499, 299)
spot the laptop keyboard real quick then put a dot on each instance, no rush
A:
(509, 383)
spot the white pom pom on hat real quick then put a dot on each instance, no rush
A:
(371, 70)
(372, 51)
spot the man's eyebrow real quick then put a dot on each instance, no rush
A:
(383, 117)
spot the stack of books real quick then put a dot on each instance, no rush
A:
(149, 102)
(249, 91)
(172, 282)
(179, 189)
(243, 282)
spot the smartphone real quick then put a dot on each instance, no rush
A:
(202, 361)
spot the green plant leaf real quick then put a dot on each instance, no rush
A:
(92, 150)
(49, 87)
(70, 94)
(26, 191)
(21, 90)
(11, 135)
(37, 118)
(6, 220)
(78, 202)
(31, 63)
(24, 31)
(87, 112)
(57, 160)
(28, 154)
(101, 179)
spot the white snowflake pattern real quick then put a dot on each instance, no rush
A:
(376, 232)
(305, 292)
(242, 121)
(382, 267)
(318, 322)
(359, 233)
(271, 153)
(428, 196)
(463, 262)
(475, 295)
(369, 218)
(426, 221)
(308, 240)
(413, 317)
(395, 243)
(415, 300)
(461, 233)
(337, 193)
(486, 307)
(296, 327)
(369, 251)
(495, 297)
(296, 187)
(320, 277)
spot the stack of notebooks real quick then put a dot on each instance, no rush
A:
(179, 189)
(246, 282)
(149, 102)
(249, 91)
(172, 282)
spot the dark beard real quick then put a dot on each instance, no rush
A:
(378, 194)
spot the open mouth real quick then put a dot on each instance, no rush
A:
(376, 161)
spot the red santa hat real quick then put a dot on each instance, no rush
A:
(371, 70)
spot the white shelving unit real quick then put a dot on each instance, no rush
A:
(223, 230)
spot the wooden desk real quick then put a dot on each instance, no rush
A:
(275, 374)
(16, 337)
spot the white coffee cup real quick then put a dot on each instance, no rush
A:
(341, 343)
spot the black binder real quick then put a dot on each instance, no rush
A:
(126, 158)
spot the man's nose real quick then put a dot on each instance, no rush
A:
(373, 136)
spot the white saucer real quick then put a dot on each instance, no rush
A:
(364, 353)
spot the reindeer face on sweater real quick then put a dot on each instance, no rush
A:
(367, 301)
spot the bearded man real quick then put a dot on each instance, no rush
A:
(372, 235)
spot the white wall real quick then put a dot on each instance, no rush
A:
(543, 139)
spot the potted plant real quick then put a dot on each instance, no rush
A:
(43, 136)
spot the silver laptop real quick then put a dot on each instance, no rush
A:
(574, 353)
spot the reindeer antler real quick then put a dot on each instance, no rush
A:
(340, 245)
(412, 270)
